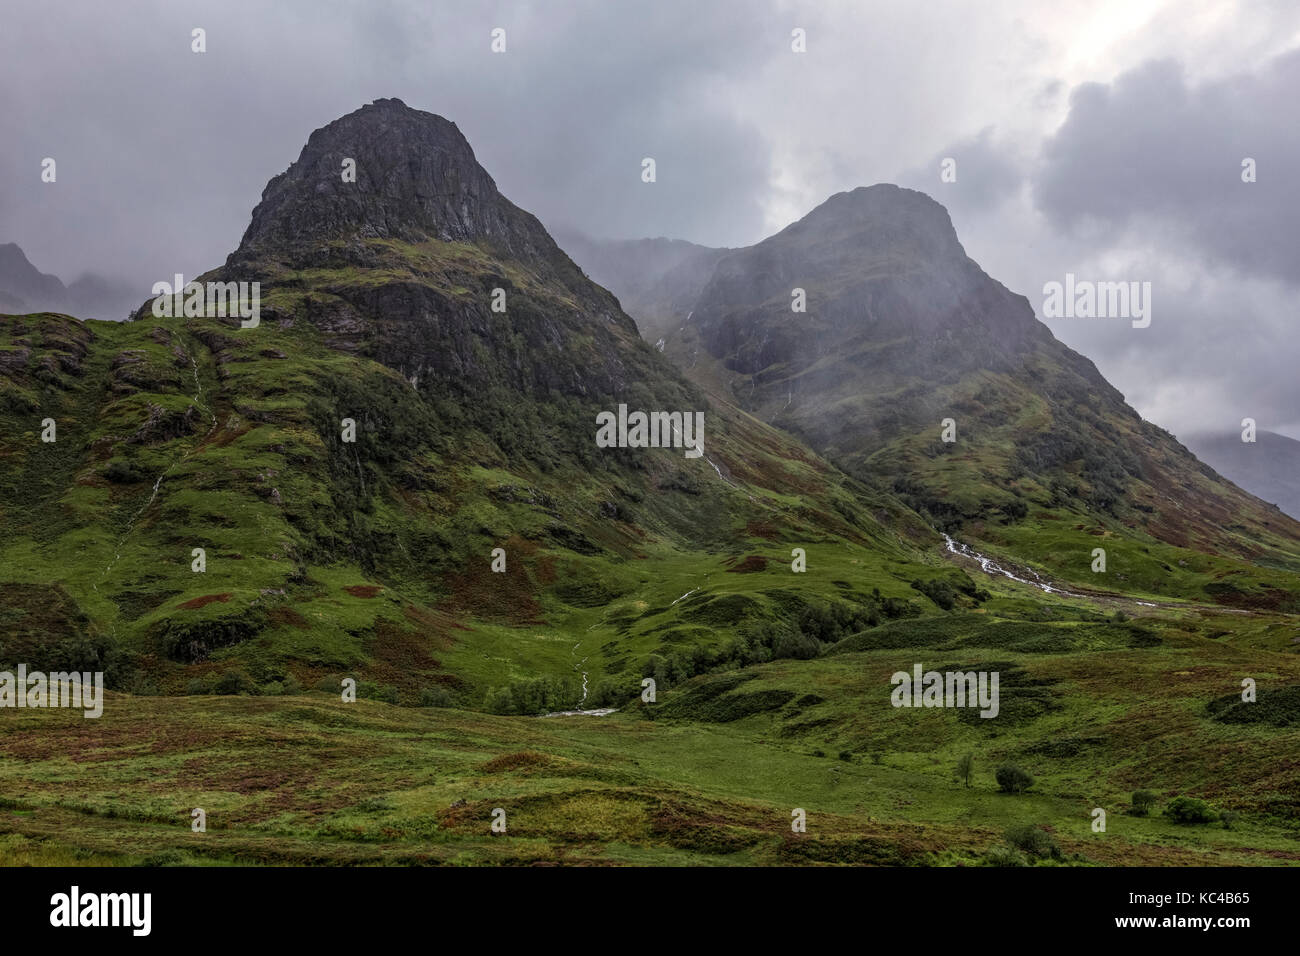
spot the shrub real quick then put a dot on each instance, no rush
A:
(436, 696)
(234, 682)
(845, 755)
(292, 686)
(1015, 510)
(939, 592)
(1228, 818)
(139, 685)
(1143, 802)
(1011, 779)
(198, 687)
(612, 692)
(536, 696)
(1190, 810)
(497, 701)
(1033, 841)
(123, 472)
(369, 690)
(1002, 855)
(793, 645)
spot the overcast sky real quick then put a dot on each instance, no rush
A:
(1103, 139)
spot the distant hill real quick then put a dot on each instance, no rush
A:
(657, 280)
(22, 281)
(1269, 468)
(24, 288)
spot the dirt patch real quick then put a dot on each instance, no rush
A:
(364, 590)
(289, 617)
(754, 562)
(193, 604)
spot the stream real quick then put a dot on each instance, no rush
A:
(989, 566)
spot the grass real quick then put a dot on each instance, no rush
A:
(312, 779)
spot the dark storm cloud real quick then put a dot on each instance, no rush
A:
(1151, 153)
(1143, 181)
(162, 153)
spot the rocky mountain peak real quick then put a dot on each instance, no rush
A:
(880, 218)
(878, 263)
(416, 178)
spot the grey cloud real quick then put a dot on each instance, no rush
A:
(1153, 155)
(162, 153)
(987, 172)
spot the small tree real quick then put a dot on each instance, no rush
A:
(965, 765)
(1011, 779)
(1228, 818)
(1143, 801)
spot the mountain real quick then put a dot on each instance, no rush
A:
(902, 331)
(1268, 468)
(393, 477)
(21, 280)
(401, 266)
(24, 288)
(657, 280)
(91, 295)
(474, 431)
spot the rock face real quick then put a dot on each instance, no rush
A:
(422, 264)
(881, 266)
(416, 179)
